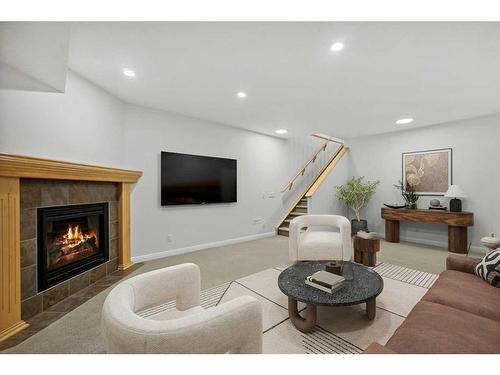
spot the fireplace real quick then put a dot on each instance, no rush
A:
(70, 240)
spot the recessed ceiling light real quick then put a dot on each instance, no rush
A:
(128, 72)
(281, 131)
(241, 95)
(335, 47)
(404, 121)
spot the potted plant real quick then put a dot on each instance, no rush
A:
(354, 194)
(408, 193)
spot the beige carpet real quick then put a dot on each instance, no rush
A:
(339, 330)
(79, 330)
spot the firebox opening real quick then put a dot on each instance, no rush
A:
(71, 240)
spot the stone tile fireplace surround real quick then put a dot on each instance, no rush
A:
(37, 193)
(28, 183)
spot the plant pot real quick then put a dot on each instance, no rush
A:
(357, 225)
(412, 206)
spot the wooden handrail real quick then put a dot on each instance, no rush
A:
(302, 170)
(326, 171)
(323, 136)
(312, 187)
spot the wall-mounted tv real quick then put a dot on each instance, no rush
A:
(193, 179)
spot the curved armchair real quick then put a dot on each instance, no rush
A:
(232, 327)
(320, 245)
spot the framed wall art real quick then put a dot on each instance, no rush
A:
(429, 172)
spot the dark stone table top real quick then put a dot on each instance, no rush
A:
(362, 284)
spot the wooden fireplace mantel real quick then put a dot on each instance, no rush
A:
(32, 167)
(12, 169)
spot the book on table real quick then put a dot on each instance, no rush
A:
(325, 281)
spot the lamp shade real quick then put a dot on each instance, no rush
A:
(455, 191)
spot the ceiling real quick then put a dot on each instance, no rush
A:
(432, 72)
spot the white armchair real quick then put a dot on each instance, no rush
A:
(232, 327)
(320, 245)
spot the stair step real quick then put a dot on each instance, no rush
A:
(301, 207)
(282, 231)
(297, 213)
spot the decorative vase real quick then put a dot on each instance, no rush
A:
(492, 242)
(412, 206)
(435, 203)
(357, 225)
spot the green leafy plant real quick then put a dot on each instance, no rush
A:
(355, 193)
(408, 193)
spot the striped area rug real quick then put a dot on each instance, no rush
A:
(320, 341)
(211, 297)
(406, 275)
(208, 298)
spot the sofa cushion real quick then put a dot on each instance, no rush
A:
(461, 263)
(436, 328)
(488, 268)
(465, 292)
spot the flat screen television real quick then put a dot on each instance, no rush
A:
(193, 179)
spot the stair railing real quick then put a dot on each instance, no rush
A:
(313, 158)
(319, 177)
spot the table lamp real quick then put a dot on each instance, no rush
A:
(455, 192)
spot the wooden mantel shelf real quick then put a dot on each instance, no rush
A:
(33, 167)
(12, 169)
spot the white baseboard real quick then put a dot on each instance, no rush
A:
(444, 245)
(425, 241)
(190, 249)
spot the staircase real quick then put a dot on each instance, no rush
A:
(300, 206)
(299, 209)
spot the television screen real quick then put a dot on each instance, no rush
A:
(193, 179)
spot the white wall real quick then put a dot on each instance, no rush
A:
(262, 164)
(34, 55)
(476, 168)
(84, 124)
(324, 201)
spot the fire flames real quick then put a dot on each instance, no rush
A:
(74, 236)
(72, 245)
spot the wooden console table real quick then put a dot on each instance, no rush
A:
(457, 224)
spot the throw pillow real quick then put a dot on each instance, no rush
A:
(489, 268)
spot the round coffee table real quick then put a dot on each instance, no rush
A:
(362, 285)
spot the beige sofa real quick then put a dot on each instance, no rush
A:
(459, 314)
